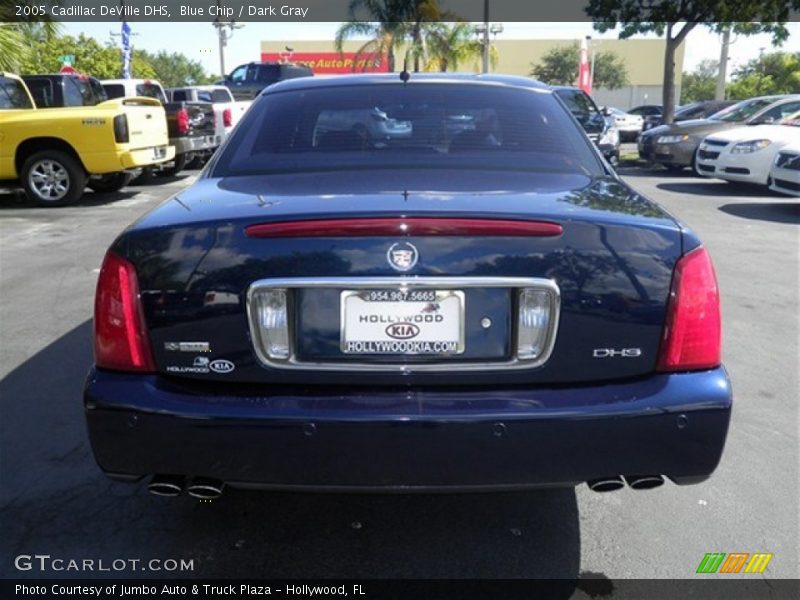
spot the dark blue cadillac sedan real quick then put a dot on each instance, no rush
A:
(436, 284)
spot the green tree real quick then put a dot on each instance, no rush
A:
(773, 73)
(559, 66)
(700, 84)
(675, 20)
(91, 57)
(452, 44)
(175, 69)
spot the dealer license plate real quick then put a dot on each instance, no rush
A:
(402, 322)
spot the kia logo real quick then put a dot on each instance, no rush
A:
(402, 331)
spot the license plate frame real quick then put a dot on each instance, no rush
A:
(416, 316)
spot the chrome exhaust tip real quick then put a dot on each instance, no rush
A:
(205, 489)
(644, 482)
(166, 485)
(606, 484)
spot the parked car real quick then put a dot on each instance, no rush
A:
(54, 153)
(784, 176)
(695, 110)
(629, 126)
(371, 124)
(650, 113)
(497, 313)
(598, 127)
(746, 154)
(191, 124)
(246, 81)
(675, 146)
(57, 90)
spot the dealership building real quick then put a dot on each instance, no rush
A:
(644, 60)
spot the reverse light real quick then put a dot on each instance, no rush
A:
(693, 328)
(227, 118)
(750, 147)
(272, 332)
(120, 336)
(672, 139)
(182, 121)
(536, 309)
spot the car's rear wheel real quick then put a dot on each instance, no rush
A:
(177, 166)
(110, 182)
(53, 178)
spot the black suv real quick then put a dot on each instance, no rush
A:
(246, 81)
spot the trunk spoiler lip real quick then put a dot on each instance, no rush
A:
(405, 227)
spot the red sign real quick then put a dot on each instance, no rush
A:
(332, 62)
(584, 70)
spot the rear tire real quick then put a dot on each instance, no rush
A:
(111, 182)
(145, 177)
(53, 178)
(674, 168)
(178, 165)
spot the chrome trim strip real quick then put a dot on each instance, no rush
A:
(443, 283)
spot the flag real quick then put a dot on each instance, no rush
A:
(126, 50)
(584, 71)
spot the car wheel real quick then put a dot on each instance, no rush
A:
(674, 168)
(53, 178)
(110, 182)
(177, 166)
(197, 162)
(145, 177)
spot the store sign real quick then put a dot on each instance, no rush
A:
(332, 62)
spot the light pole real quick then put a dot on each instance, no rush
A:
(591, 66)
(224, 33)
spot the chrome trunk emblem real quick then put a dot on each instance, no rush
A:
(402, 256)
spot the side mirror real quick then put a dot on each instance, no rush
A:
(605, 111)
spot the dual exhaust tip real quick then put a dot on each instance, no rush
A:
(202, 488)
(636, 482)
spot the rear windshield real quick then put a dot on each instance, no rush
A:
(742, 110)
(150, 90)
(12, 94)
(42, 91)
(413, 126)
(114, 90)
(221, 96)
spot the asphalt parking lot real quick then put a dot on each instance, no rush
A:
(54, 500)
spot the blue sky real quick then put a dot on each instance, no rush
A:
(199, 40)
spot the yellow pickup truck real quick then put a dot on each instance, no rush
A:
(54, 153)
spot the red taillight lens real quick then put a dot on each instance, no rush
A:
(120, 337)
(182, 118)
(693, 329)
(227, 117)
(404, 226)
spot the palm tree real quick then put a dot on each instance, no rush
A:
(391, 23)
(16, 36)
(452, 44)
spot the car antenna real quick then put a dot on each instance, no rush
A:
(404, 74)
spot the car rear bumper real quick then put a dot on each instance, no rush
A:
(184, 145)
(143, 157)
(406, 439)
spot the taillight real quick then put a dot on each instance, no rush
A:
(182, 118)
(120, 336)
(121, 133)
(404, 226)
(227, 117)
(693, 328)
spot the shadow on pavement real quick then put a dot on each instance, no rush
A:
(16, 200)
(55, 501)
(717, 188)
(775, 212)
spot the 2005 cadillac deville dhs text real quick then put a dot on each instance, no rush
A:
(431, 284)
